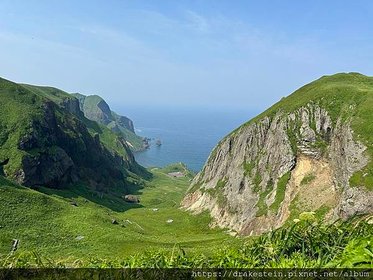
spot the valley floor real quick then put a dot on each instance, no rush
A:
(66, 225)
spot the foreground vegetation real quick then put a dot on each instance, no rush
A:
(305, 244)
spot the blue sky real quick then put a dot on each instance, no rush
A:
(199, 53)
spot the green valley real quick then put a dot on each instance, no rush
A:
(78, 223)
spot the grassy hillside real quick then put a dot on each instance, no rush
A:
(54, 94)
(17, 109)
(49, 142)
(45, 221)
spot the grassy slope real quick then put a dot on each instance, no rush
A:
(19, 107)
(345, 95)
(45, 221)
(54, 94)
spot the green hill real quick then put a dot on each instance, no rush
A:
(53, 232)
(49, 142)
(96, 109)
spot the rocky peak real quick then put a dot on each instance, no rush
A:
(96, 109)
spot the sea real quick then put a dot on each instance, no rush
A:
(186, 135)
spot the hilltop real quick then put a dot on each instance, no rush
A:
(311, 151)
(96, 109)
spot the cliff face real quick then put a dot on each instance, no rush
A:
(96, 109)
(284, 162)
(47, 141)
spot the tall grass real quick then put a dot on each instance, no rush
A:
(304, 244)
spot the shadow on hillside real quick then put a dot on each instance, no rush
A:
(6, 182)
(92, 125)
(79, 195)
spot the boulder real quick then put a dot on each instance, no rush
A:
(131, 198)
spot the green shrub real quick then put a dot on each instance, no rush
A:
(280, 192)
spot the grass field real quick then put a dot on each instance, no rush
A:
(45, 221)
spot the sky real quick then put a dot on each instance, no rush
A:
(213, 53)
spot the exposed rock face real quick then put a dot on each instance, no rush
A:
(125, 122)
(66, 153)
(72, 106)
(100, 113)
(96, 109)
(354, 201)
(347, 155)
(275, 167)
(49, 168)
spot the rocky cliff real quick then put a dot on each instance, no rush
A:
(96, 109)
(309, 152)
(47, 141)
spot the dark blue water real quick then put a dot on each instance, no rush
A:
(187, 135)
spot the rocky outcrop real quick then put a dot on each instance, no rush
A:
(52, 168)
(59, 150)
(279, 165)
(131, 198)
(72, 106)
(122, 121)
(354, 201)
(346, 155)
(96, 109)
(99, 112)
